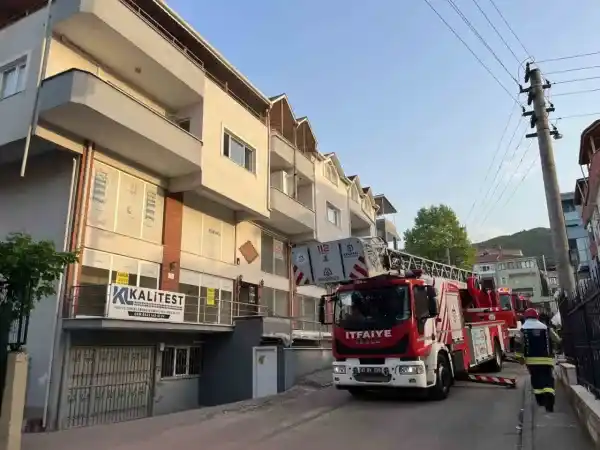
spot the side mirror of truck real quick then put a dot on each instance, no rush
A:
(432, 301)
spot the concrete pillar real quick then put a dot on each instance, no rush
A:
(13, 402)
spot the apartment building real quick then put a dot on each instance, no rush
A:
(487, 260)
(178, 181)
(577, 234)
(523, 276)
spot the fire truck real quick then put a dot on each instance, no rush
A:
(400, 321)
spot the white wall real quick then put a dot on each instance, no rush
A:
(21, 39)
(326, 191)
(38, 205)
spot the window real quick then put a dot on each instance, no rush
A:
(12, 78)
(333, 215)
(276, 301)
(331, 173)
(99, 269)
(239, 152)
(125, 204)
(274, 256)
(181, 362)
(208, 298)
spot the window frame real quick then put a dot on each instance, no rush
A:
(265, 234)
(111, 267)
(331, 207)
(224, 285)
(21, 65)
(227, 135)
(187, 374)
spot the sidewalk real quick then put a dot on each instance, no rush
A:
(549, 431)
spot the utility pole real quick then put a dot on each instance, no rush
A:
(539, 119)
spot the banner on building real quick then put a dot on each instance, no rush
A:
(135, 303)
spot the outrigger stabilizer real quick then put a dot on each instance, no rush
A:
(510, 383)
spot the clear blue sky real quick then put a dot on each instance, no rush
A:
(389, 89)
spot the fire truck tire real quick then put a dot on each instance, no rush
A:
(496, 364)
(443, 379)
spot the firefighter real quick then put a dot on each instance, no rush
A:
(536, 353)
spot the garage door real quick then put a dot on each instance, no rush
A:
(107, 385)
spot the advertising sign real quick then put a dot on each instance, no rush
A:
(152, 305)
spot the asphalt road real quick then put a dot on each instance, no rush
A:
(473, 417)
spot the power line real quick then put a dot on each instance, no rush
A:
(574, 80)
(510, 28)
(583, 91)
(510, 116)
(488, 70)
(483, 41)
(575, 69)
(562, 58)
(525, 152)
(508, 146)
(525, 175)
(573, 116)
(496, 30)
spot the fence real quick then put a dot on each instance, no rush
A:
(580, 316)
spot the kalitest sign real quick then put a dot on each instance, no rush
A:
(134, 303)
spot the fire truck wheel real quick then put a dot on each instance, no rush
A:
(496, 363)
(443, 379)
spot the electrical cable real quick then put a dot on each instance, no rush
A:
(488, 70)
(576, 80)
(496, 30)
(510, 117)
(525, 175)
(508, 146)
(493, 207)
(562, 58)
(583, 91)
(574, 69)
(483, 41)
(574, 116)
(510, 29)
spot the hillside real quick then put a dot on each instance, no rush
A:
(534, 242)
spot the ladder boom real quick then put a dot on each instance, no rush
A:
(399, 260)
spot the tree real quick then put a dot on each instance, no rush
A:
(28, 272)
(436, 233)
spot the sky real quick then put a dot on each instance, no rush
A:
(401, 101)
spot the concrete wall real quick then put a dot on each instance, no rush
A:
(22, 39)
(38, 205)
(299, 362)
(228, 363)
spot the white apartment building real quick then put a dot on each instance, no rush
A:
(173, 176)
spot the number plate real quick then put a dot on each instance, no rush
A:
(370, 370)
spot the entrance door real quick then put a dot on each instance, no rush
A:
(107, 385)
(264, 371)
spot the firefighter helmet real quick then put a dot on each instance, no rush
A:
(531, 313)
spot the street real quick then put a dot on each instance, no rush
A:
(474, 416)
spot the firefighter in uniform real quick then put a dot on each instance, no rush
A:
(536, 353)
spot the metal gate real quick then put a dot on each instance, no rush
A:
(108, 384)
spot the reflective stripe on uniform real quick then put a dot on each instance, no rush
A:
(544, 391)
(518, 355)
(539, 361)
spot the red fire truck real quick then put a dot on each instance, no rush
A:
(399, 321)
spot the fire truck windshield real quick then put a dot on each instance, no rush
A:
(380, 307)
(505, 302)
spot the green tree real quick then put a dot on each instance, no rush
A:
(28, 272)
(436, 232)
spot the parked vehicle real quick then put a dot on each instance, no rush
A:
(400, 321)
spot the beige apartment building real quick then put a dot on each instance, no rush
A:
(177, 179)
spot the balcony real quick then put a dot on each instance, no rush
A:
(89, 307)
(284, 156)
(118, 34)
(89, 107)
(359, 220)
(573, 219)
(289, 215)
(387, 230)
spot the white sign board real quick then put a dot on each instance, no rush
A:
(151, 305)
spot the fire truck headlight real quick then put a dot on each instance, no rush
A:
(410, 370)
(339, 369)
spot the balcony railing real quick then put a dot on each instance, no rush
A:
(85, 302)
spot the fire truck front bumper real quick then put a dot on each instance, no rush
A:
(393, 374)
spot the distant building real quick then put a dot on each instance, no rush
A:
(523, 276)
(487, 259)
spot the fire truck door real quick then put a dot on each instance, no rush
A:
(456, 319)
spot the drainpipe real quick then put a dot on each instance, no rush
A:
(46, 41)
(268, 159)
(57, 330)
